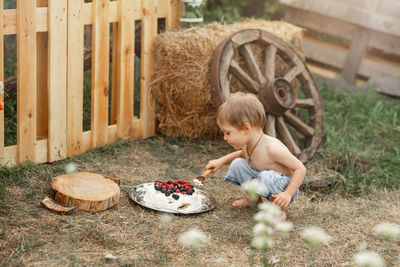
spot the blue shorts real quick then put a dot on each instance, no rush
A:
(241, 172)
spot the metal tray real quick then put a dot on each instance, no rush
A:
(137, 195)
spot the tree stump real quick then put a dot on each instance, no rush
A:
(86, 191)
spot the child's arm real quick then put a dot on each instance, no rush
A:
(225, 160)
(283, 156)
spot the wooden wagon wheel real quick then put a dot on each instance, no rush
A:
(258, 62)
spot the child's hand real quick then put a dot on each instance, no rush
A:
(282, 200)
(214, 164)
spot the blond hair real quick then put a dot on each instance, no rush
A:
(241, 108)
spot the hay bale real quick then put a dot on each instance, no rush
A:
(182, 77)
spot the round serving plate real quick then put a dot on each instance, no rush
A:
(137, 194)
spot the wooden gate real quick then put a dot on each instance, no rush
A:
(50, 74)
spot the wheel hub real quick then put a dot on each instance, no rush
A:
(277, 96)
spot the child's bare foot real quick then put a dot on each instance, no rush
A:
(246, 202)
(282, 218)
(241, 203)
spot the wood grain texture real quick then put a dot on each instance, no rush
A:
(26, 80)
(100, 72)
(86, 191)
(57, 80)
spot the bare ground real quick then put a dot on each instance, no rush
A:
(31, 235)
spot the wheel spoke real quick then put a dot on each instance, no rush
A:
(251, 63)
(305, 103)
(270, 126)
(269, 62)
(286, 137)
(243, 78)
(292, 73)
(298, 124)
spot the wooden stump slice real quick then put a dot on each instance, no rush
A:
(86, 191)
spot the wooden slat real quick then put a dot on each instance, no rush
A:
(75, 78)
(26, 80)
(10, 20)
(57, 80)
(41, 79)
(100, 71)
(351, 14)
(173, 14)
(126, 56)
(342, 29)
(334, 55)
(2, 81)
(149, 33)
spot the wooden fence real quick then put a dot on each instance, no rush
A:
(370, 27)
(50, 49)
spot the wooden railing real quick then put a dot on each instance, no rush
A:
(50, 49)
(370, 27)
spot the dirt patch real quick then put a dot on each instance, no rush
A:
(31, 235)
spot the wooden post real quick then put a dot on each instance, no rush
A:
(126, 55)
(75, 78)
(355, 55)
(149, 33)
(100, 64)
(173, 14)
(41, 79)
(57, 80)
(2, 81)
(26, 80)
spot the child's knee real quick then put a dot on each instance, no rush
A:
(238, 163)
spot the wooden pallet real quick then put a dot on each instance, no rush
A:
(352, 38)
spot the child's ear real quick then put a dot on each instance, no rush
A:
(247, 126)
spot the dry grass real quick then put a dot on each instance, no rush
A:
(31, 235)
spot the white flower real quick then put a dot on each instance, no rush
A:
(193, 238)
(165, 219)
(388, 231)
(253, 188)
(262, 243)
(270, 208)
(315, 236)
(368, 259)
(284, 227)
(70, 167)
(261, 229)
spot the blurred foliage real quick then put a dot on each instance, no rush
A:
(228, 11)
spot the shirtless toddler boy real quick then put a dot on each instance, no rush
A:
(258, 156)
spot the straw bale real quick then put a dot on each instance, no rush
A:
(182, 77)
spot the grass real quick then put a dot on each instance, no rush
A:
(362, 139)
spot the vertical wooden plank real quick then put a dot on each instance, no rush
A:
(173, 14)
(126, 54)
(57, 80)
(115, 74)
(41, 79)
(2, 81)
(149, 33)
(26, 80)
(100, 64)
(355, 55)
(75, 77)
